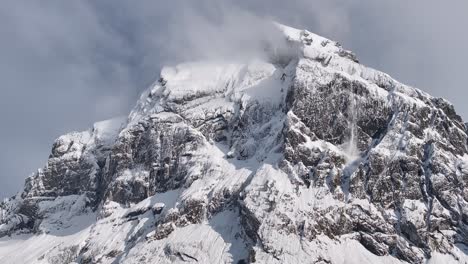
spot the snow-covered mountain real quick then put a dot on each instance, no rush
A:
(305, 157)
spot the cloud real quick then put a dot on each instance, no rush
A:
(418, 42)
(66, 64)
(193, 36)
(170, 33)
(59, 65)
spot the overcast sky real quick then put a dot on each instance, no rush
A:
(66, 64)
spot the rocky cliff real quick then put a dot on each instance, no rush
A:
(307, 157)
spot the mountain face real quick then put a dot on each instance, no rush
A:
(308, 157)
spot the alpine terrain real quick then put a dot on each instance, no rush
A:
(306, 156)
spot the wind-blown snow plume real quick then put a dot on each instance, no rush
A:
(232, 35)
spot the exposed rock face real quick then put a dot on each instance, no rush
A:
(313, 160)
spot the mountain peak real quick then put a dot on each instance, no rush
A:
(305, 156)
